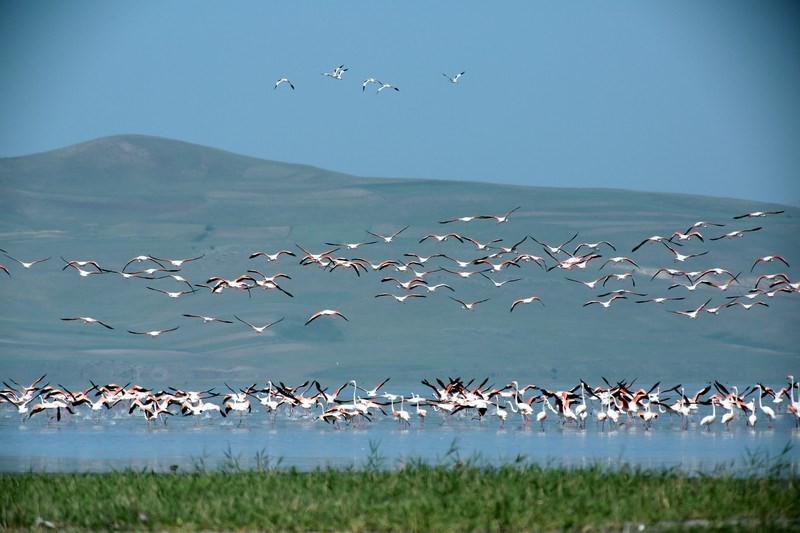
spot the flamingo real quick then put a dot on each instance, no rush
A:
(402, 415)
(272, 257)
(734, 234)
(284, 80)
(454, 79)
(618, 260)
(258, 329)
(469, 306)
(500, 412)
(686, 236)
(402, 298)
(442, 238)
(178, 262)
(692, 313)
(388, 238)
(325, 312)
(653, 239)
(367, 82)
(679, 257)
(350, 245)
(769, 259)
(386, 86)
(26, 264)
(528, 300)
(555, 249)
(709, 419)
(758, 214)
(337, 72)
(154, 333)
(173, 294)
(501, 218)
(659, 300)
(767, 410)
(207, 319)
(542, 415)
(606, 303)
(747, 306)
(89, 320)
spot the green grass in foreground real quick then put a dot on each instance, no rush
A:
(460, 496)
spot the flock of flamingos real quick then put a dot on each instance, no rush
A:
(613, 404)
(609, 404)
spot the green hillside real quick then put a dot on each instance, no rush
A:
(112, 199)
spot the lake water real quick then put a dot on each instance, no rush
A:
(116, 440)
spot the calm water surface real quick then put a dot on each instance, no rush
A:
(81, 443)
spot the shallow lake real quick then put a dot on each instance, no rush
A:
(117, 441)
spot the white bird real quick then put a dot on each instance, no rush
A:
(501, 218)
(708, 420)
(618, 260)
(325, 312)
(769, 259)
(692, 313)
(654, 238)
(734, 234)
(26, 264)
(367, 82)
(681, 257)
(454, 79)
(659, 300)
(172, 294)
(388, 238)
(401, 298)
(154, 333)
(207, 319)
(258, 329)
(747, 306)
(337, 72)
(469, 306)
(386, 86)
(528, 300)
(178, 262)
(89, 320)
(606, 303)
(284, 80)
(272, 257)
(758, 214)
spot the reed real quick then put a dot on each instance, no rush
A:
(454, 495)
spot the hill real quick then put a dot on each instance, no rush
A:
(112, 199)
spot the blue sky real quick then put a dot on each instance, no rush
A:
(679, 96)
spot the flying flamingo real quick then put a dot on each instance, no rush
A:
(89, 320)
(155, 333)
(454, 79)
(26, 264)
(606, 303)
(734, 234)
(500, 218)
(769, 259)
(258, 329)
(325, 312)
(284, 80)
(272, 257)
(207, 319)
(692, 313)
(527, 300)
(469, 306)
(679, 257)
(758, 214)
(388, 238)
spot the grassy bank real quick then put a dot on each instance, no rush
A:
(458, 496)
